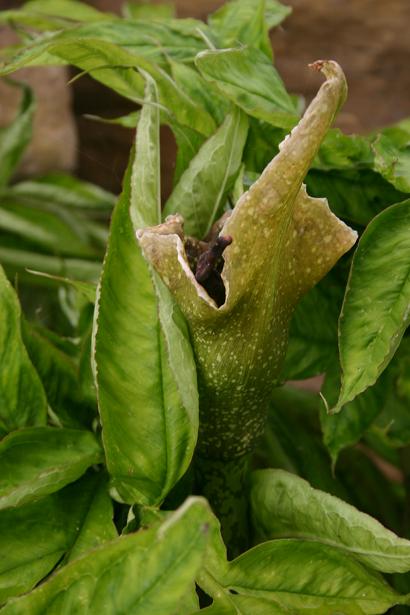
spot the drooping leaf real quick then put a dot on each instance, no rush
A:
(15, 137)
(247, 22)
(144, 368)
(247, 78)
(38, 461)
(147, 572)
(22, 398)
(200, 193)
(286, 506)
(34, 537)
(376, 308)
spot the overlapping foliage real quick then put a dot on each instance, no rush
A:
(108, 514)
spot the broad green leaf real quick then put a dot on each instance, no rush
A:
(38, 461)
(247, 22)
(22, 398)
(147, 572)
(15, 137)
(300, 576)
(376, 308)
(64, 190)
(60, 378)
(348, 426)
(200, 193)
(247, 78)
(286, 506)
(245, 605)
(33, 538)
(17, 260)
(145, 372)
(356, 196)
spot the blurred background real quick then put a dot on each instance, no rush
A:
(369, 38)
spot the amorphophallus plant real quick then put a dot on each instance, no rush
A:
(238, 292)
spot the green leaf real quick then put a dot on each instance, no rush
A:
(49, 227)
(53, 14)
(198, 89)
(64, 190)
(313, 331)
(145, 372)
(393, 163)
(299, 575)
(15, 137)
(33, 538)
(17, 260)
(96, 525)
(286, 506)
(200, 194)
(60, 378)
(147, 572)
(38, 461)
(247, 78)
(247, 22)
(22, 398)
(354, 195)
(376, 308)
(146, 173)
(348, 426)
(292, 439)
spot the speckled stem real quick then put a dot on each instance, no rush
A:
(225, 485)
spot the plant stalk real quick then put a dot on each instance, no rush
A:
(225, 485)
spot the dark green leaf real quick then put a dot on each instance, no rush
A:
(200, 193)
(33, 538)
(348, 426)
(393, 163)
(148, 572)
(247, 78)
(356, 196)
(38, 461)
(60, 378)
(376, 308)
(22, 398)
